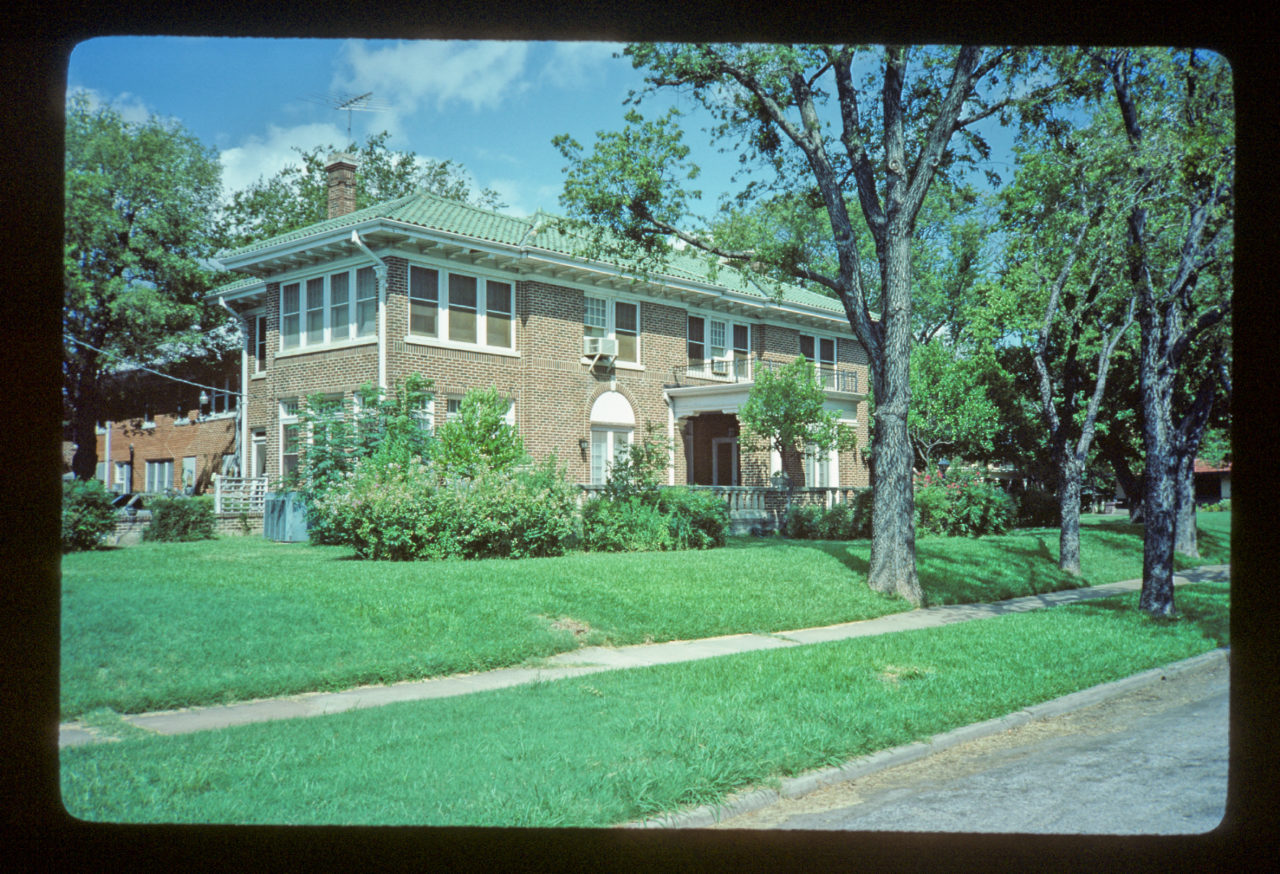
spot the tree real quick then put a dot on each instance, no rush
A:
(297, 196)
(952, 412)
(809, 120)
(1178, 120)
(478, 438)
(1066, 266)
(139, 207)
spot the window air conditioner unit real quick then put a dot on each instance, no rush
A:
(605, 346)
(720, 368)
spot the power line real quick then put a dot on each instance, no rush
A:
(135, 366)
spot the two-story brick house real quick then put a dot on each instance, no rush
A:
(589, 353)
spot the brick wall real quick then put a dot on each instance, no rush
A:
(170, 438)
(552, 388)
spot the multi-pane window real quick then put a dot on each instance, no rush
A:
(498, 313)
(290, 436)
(366, 302)
(320, 310)
(122, 478)
(260, 344)
(716, 346)
(819, 468)
(697, 340)
(616, 318)
(461, 309)
(820, 350)
(290, 318)
(595, 317)
(226, 399)
(463, 306)
(315, 311)
(159, 475)
(608, 447)
(188, 473)
(424, 302)
(340, 306)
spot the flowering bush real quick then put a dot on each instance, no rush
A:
(961, 506)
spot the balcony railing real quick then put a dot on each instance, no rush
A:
(239, 494)
(743, 370)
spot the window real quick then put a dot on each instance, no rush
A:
(340, 306)
(289, 318)
(457, 308)
(820, 468)
(224, 400)
(315, 311)
(614, 318)
(366, 302)
(159, 475)
(463, 306)
(424, 301)
(189, 473)
(260, 344)
(718, 348)
(498, 313)
(290, 436)
(608, 447)
(697, 336)
(825, 348)
(122, 479)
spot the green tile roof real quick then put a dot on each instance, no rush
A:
(437, 213)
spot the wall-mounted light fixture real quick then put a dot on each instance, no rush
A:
(584, 444)
(204, 401)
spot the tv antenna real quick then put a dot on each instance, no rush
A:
(351, 103)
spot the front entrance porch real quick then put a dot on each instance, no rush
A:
(711, 450)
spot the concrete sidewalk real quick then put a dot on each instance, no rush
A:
(592, 660)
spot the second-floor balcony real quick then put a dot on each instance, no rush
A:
(831, 378)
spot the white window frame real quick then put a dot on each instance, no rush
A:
(606, 447)
(189, 472)
(259, 344)
(339, 317)
(289, 418)
(444, 305)
(593, 303)
(159, 476)
(821, 469)
(720, 358)
(122, 477)
(224, 400)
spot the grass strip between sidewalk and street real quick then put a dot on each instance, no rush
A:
(168, 625)
(611, 748)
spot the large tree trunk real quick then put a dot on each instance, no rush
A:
(1159, 486)
(1184, 529)
(893, 536)
(1070, 474)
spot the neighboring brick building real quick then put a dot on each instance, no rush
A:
(157, 436)
(589, 353)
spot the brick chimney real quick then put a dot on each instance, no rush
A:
(342, 184)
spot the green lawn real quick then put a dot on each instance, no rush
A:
(604, 749)
(169, 625)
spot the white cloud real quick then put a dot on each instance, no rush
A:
(521, 200)
(575, 64)
(265, 156)
(433, 73)
(130, 106)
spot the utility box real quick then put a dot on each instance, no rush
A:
(284, 517)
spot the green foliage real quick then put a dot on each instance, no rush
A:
(138, 211)
(785, 412)
(639, 472)
(1215, 446)
(1220, 507)
(698, 519)
(847, 520)
(404, 512)
(87, 515)
(382, 427)
(624, 526)
(961, 506)
(180, 519)
(951, 411)
(297, 196)
(479, 438)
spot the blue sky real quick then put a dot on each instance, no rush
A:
(493, 107)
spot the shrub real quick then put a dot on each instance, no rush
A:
(804, 522)
(610, 525)
(1038, 508)
(87, 515)
(479, 438)
(1223, 506)
(961, 506)
(180, 519)
(404, 512)
(696, 519)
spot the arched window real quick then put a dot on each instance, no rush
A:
(613, 424)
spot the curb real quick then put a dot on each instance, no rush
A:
(796, 787)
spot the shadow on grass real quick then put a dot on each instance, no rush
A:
(1204, 605)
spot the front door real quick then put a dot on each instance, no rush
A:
(724, 461)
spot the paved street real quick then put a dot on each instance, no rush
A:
(1150, 761)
